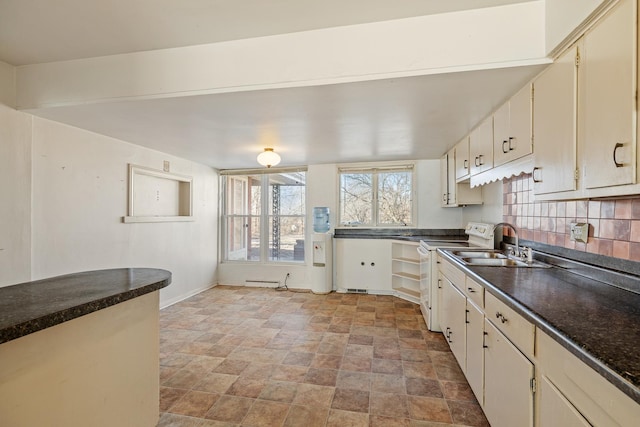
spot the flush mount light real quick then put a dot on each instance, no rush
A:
(268, 158)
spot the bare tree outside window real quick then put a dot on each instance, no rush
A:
(376, 197)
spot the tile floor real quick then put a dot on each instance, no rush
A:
(237, 356)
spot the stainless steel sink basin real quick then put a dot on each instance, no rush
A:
(479, 254)
(495, 262)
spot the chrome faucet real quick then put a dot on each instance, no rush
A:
(515, 232)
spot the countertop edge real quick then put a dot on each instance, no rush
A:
(52, 319)
(574, 348)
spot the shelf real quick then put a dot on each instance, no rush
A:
(407, 291)
(407, 276)
(408, 260)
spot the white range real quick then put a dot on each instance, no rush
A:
(480, 236)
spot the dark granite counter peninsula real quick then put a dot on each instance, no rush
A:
(596, 320)
(32, 306)
(81, 349)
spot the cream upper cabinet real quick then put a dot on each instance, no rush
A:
(554, 126)
(481, 147)
(455, 193)
(512, 128)
(463, 167)
(607, 99)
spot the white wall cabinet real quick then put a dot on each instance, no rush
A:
(508, 397)
(512, 128)
(455, 193)
(462, 163)
(554, 125)
(608, 99)
(363, 264)
(481, 147)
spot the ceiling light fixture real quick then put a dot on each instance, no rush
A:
(268, 158)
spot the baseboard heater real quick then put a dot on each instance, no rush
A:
(262, 282)
(356, 291)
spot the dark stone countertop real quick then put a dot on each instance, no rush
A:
(29, 307)
(406, 234)
(597, 322)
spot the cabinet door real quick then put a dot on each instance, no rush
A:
(501, 135)
(519, 143)
(462, 160)
(444, 180)
(475, 350)
(481, 147)
(554, 409)
(508, 399)
(608, 99)
(554, 126)
(363, 264)
(454, 328)
(452, 196)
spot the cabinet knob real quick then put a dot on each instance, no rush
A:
(362, 263)
(373, 264)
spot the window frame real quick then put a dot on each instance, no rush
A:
(264, 216)
(375, 170)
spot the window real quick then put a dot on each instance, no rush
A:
(377, 196)
(264, 216)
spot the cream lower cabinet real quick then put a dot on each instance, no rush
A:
(475, 350)
(508, 396)
(453, 320)
(558, 411)
(363, 264)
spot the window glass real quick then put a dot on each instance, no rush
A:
(394, 198)
(356, 198)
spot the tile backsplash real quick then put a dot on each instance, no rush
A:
(614, 225)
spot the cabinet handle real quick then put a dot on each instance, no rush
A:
(466, 164)
(475, 162)
(446, 332)
(533, 174)
(615, 162)
(481, 156)
(505, 142)
(498, 314)
(449, 336)
(512, 147)
(501, 317)
(444, 198)
(466, 316)
(439, 286)
(471, 290)
(484, 344)
(373, 264)
(362, 263)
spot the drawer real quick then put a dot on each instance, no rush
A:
(520, 331)
(451, 272)
(474, 291)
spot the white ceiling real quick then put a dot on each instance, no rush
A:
(407, 118)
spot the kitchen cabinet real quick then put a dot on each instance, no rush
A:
(512, 128)
(571, 393)
(363, 265)
(607, 99)
(558, 411)
(508, 396)
(405, 270)
(455, 193)
(475, 350)
(481, 147)
(462, 165)
(453, 320)
(554, 125)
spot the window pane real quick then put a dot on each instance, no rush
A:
(236, 202)
(286, 194)
(356, 195)
(394, 198)
(243, 238)
(286, 238)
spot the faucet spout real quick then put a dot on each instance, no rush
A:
(515, 233)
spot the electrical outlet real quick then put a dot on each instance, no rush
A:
(579, 231)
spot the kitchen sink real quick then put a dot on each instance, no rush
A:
(479, 254)
(495, 262)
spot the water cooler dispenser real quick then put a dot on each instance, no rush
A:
(322, 241)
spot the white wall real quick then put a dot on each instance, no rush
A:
(322, 190)
(563, 16)
(491, 209)
(7, 84)
(64, 192)
(15, 196)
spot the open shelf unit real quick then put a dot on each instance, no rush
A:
(405, 270)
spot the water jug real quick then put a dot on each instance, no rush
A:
(321, 220)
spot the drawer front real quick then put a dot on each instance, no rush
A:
(451, 272)
(474, 291)
(520, 331)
